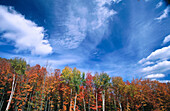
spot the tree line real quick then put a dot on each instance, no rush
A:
(33, 88)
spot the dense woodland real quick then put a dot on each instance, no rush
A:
(27, 88)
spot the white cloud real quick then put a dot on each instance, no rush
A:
(155, 76)
(164, 15)
(167, 39)
(102, 13)
(117, 1)
(25, 33)
(159, 67)
(75, 34)
(159, 54)
(164, 81)
(81, 19)
(156, 62)
(142, 61)
(148, 63)
(163, 53)
(159, 4)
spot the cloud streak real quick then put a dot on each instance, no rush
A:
(167, 39)
(159, 4)
(24, 33)
(159, 67)
(83, 18)
(155, 76)
(164, 15)
(157, 62)
(159, 54)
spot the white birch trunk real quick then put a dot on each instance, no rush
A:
(96, 103)
(103, 97)
(115, 103)
(75, 102)
(12, 93)
(84, 102)
(120, 105)
(70, 100)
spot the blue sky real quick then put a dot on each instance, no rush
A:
(127, 38)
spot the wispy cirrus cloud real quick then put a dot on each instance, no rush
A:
(159, 4)
(25, 34)
(82, 18)
(164, 14)
(117, 1)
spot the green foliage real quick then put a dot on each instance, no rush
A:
(76, 79)
(83, 79)
(19, 65)
(67, 75)
(105, 80)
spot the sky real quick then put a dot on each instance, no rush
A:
(127, 38)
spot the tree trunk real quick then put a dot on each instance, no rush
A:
(29, 102)
(2, 101)
(127, 105)
(96, 103)
(70, 100)
(49, 105)
(46, 103)
(42, 98)
(84, 102)
(143, 107)
(115, 104)
(103, 97)
(75, 102)
(23, 107)
(12, 92)
(89, 104)
(120, 105)
(36, 100)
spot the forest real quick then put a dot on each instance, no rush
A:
(34, 88)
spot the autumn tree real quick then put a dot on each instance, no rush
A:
(19, 67)
(105, 82)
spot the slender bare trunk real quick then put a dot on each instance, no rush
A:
(143, 107)
(115, 104)
(49, 105)
(29, 102)
(2, 101)
(46, 103)
(75, 102)
(103, 97)
(127, 104)
(84, 102)
(96, 103)
(42, 98)
(89, 104)
(23, 107)
(120, 105)
(70, 100)
(36, 100)
(12, 92)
